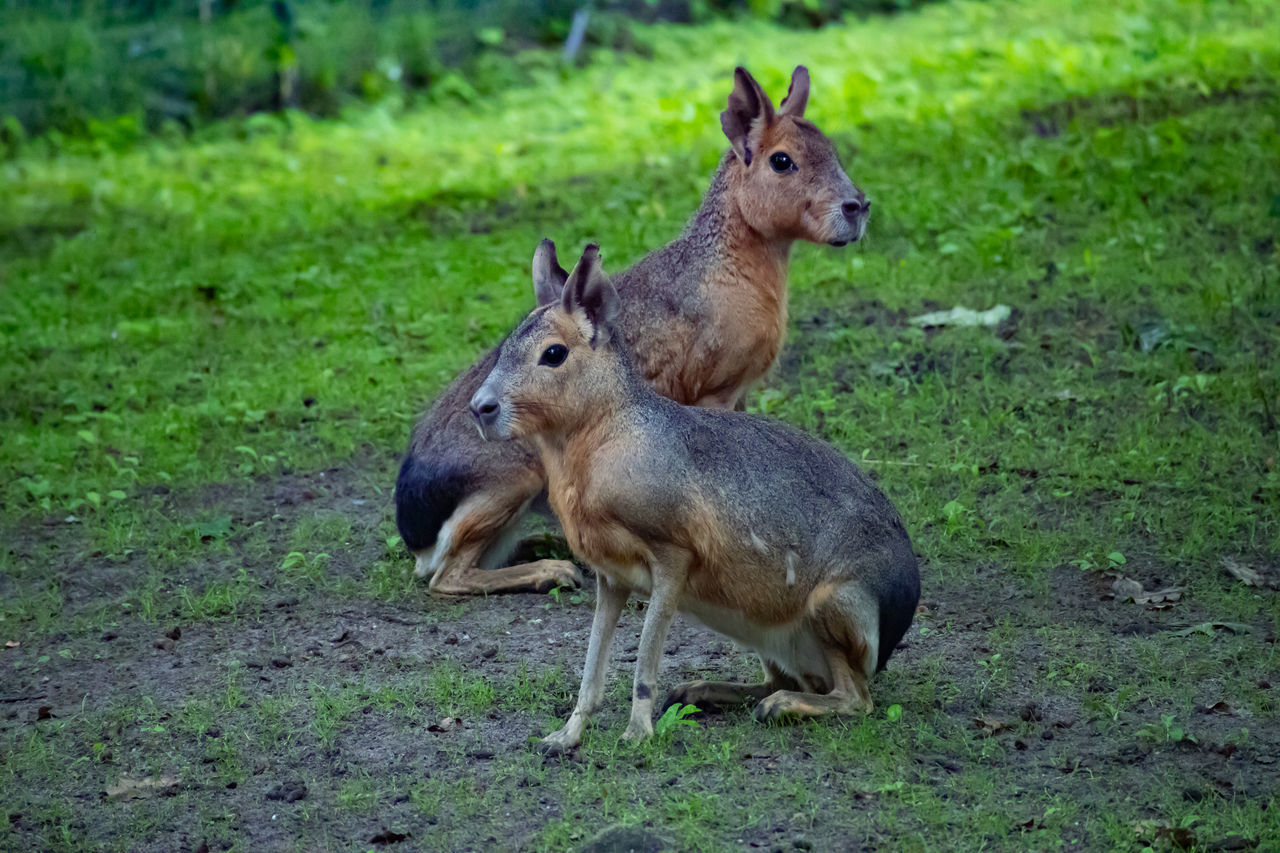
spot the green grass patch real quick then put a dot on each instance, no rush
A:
(214, 351)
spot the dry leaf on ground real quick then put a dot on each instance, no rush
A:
(1128, 589)
(989, 725)
(1247, 575)
(447, 724)
(136, 789)
(1180, 837)
(1210, 629)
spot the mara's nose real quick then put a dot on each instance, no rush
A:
(855, 209)
(484, 407)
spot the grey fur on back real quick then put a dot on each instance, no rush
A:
(447, 458)
(789, 490)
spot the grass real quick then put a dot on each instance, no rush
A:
(213, 351)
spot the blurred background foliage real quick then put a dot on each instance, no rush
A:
(117, 69)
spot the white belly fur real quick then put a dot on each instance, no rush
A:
(791, 646)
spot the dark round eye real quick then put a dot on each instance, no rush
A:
(554, 355)
(781, 161)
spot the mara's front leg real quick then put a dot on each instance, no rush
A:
(668, 583)
(610, 599)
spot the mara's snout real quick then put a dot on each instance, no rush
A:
(485, 408)
(852, 224)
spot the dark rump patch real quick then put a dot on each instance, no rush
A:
(898, 607)
(426, 495)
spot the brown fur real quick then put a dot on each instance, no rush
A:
(766, 534)
(705, 316)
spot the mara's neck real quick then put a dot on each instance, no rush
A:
(615, 390)
(720, 228)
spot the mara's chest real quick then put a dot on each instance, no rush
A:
(748, 329)
(595, 531)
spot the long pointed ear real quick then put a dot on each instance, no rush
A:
(548, 276)
(797, 94)
(750, 112)
(589, 292)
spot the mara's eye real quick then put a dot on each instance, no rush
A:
(781, 162)
(554, 355)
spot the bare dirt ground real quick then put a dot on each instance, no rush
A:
(303, 722)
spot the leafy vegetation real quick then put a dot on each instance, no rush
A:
(213, 350)
(115, 70)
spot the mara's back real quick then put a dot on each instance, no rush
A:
(775, 493)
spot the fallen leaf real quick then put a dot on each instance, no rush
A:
(990, 726)
(1161, 830)
(136, 789)
(964, 317)
(447, 724)
(1161, 599)
(1126, 588)
(1208, 628)
(1247, 575)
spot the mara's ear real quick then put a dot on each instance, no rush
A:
(797, 94)
(589, 292)
(750, 112)
(548, 276)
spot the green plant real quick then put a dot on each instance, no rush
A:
(1166, 731)
(674, 718)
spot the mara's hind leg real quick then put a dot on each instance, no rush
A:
(480, 534)
(718, 695)
(845, 623)
(849, 694)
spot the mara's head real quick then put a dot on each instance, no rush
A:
(559, 364)
(791, 185)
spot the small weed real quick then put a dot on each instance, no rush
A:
(674, 718)
(1166, 731)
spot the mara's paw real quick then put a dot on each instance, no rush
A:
(783, 707)
(637, 732)
(689, 693)
(557, 573)
(559, 743)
